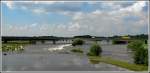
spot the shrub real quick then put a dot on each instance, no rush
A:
(141, 56)
(77, 42)
(139, 51)
(77, 50)
(95, 50)
(136, 44)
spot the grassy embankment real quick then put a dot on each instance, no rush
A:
(132, 67)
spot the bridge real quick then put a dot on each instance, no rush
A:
(43, 39)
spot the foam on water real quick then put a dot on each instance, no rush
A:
(59, 47)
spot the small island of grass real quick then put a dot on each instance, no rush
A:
(77, 50)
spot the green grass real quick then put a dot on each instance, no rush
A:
(11, 46)
(14, 46)
(77, 50)
(133, 67)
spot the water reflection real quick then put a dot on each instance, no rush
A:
(39, 58)
(94, 61)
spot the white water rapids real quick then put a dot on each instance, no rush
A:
(59, 47)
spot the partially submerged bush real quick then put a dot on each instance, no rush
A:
(78, 50)
(139, 51)
(77, 41)
(141, 56)
(95, 50)
(135, 45)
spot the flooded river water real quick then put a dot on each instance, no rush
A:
(41, 57)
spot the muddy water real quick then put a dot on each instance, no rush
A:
(38, 57)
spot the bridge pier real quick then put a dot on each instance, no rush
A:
(54, 41)
(42, 41)
(5, 41)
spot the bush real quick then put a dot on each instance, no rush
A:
(135, 45)
(77, 42)
(140, 52)
(95, 50)
(77, 50)
(141, 56)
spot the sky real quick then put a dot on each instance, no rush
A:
(62, 18)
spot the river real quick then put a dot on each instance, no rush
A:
(49, 57)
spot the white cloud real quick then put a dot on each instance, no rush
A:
(9, 4)
(44, 2)
(97, 12)
(110, 23)
(33, 25)
(111, 5)
(39, 11)
(98, 22)
(136, 7)
(74, 27)
(77, 15)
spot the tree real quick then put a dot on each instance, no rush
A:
(141, 56)
(95, 50)
(135, 45)
(139, 51)
(77, 41)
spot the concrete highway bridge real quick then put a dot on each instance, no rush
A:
(54, 40)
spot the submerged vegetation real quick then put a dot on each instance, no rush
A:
(77, 50)
(135, 45)
(95, 50)
(12, 47)
(140, 52)
(77, 41)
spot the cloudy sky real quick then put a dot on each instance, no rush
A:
(51, 18)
